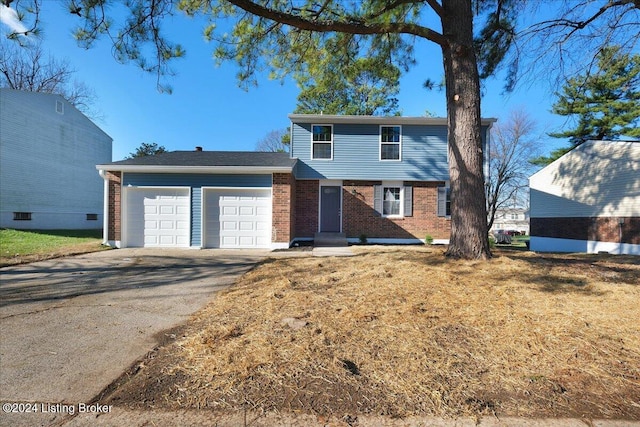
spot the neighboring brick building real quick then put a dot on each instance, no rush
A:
(588, 200)
(382, 177)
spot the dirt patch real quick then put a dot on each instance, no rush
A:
(406, 332)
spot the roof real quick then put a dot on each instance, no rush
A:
(382, 120)
(206, 161)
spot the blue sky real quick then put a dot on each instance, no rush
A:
(208, 109)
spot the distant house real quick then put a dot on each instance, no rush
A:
(382, 177)
(511, 219)
(48, 153)
(588, 200)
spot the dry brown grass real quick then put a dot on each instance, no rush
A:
(407, 332)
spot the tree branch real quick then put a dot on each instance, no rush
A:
(350, 27)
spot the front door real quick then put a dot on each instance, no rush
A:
(330, 209)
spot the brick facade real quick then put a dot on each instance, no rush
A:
(601, 229)
(307, 205)
(359, 216)
(283, 207)
(115, 205)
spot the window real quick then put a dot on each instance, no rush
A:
(92, 217)
(393, 199)
(390, 142)
(322, 142)
(22, 216)
(391, 203)
(514, 216)
(444, 201)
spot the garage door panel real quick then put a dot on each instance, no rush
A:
(158, 217)
(237, 218)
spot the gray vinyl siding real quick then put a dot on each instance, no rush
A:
(195, 182)
(47, 162)
(356, 154)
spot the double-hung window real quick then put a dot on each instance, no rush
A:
(390, 140)
(322, 142)
(393, 199)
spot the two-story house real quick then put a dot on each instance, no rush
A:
(48, 153)
(382, 177)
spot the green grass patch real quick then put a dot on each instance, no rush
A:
(17, 246)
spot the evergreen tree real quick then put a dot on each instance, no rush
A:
(604, 104)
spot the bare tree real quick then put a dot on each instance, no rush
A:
(513, 143)
(275, 141)
(27, 67)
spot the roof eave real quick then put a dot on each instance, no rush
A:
(234, 170)
(331, 119)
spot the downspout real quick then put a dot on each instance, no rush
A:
(105, 208)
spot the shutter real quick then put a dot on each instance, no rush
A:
(408, 201)
(377, 199)
(442, 201)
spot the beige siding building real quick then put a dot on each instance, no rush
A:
(588, 200)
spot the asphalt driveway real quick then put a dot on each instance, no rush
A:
(69, 327)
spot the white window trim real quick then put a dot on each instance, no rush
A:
(321, 142)
(393, 184)
(399, 159)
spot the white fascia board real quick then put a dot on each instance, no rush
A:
(380, 120)
(237, 170)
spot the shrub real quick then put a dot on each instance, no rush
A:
(428, 240)
(363, 239)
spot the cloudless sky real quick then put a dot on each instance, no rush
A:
(207, 107)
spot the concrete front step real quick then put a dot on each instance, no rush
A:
(330, 240)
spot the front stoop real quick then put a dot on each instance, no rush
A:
(330, 240)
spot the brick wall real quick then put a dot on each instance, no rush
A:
(283, 210)
(602, 229)
(115, 205)
(307, 204)
(359, 216)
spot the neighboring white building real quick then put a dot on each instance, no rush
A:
(509, 219)
(48, 153)
(588, 200)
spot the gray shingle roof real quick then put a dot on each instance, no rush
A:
(211, 158)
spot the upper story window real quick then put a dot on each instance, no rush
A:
(322, 142)
(390, 137)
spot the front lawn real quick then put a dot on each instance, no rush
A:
(19, 246)
(405, 331)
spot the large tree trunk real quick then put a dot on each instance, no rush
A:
(469, 234)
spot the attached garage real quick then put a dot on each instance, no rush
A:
(200, 199)
(157, 217)
(237, 218)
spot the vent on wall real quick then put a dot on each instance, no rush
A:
(92, 217)
(22, 216)
(59, 107)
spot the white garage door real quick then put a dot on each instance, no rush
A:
(237, 218)
(157, 217)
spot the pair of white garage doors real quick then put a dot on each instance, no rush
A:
(232, 218)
